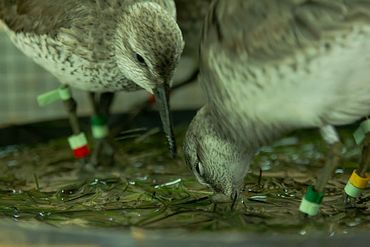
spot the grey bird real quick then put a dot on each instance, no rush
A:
(269, 67)
(101, 46)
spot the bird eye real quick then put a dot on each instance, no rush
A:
(199, 167)
(140, 59)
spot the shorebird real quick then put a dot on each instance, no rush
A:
(268, 67)
(101, 46)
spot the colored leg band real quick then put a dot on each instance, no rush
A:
(62, 93)
(100, 132)
(99, 127)
(358, 181)
(309, 208)
(356, 184)
(313, 196)
(352, 191)
(78, 144)
(81, 152)
(311, 201)
(361, 132)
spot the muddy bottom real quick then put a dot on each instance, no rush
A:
(146, 189)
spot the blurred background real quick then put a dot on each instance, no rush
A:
(22, 80)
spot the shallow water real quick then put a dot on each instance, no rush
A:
(146, 189)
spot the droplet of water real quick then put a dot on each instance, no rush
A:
(143, 178)
(339, 171)
(16, 191)
(16, 214)
(43, 215)
(95, 181)
(168, 184)
(262, 198)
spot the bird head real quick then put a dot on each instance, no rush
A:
(215, 160)
(148, 46)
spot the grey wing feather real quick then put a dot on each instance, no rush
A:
(272, 29)
(39, 16)
(82, 26)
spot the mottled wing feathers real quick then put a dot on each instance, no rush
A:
(271, 29)
(38, 16)
(68, 21)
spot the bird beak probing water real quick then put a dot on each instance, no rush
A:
(161, 93)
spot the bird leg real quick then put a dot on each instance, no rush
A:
(77, 141)
(234, 201)
(260, 178)
(310, 204)
(71, 107)
(365, 157)
(103, 151)
(330, 136)
(360, 178)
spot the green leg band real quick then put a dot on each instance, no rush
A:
(99, 127)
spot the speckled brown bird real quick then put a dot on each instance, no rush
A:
(101, 46)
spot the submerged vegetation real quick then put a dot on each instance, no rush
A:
(147, 189)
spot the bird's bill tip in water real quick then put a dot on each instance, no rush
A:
(161, 94)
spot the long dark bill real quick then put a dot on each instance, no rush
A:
(161, 94)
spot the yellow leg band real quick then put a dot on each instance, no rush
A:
(359, 181)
